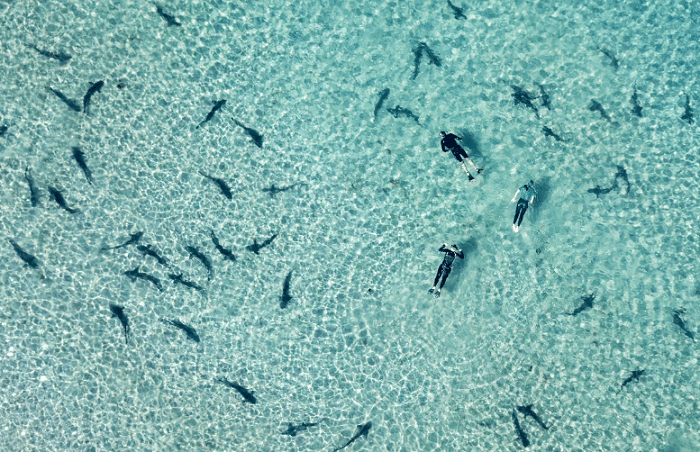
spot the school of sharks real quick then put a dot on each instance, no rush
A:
(218, 253)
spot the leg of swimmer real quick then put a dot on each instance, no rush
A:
(464, 167)
(478, 170)
(445, 274)
(437, 278)
(518, 217)
(522, 214)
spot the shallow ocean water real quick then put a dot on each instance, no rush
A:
(370, 202)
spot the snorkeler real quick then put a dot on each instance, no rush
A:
(449, 143)
(446, 266)
(526, 191)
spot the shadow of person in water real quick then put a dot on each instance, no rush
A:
(471, 142)
(543, 189)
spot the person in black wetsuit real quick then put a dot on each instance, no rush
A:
(446, 266)
(449, 143)
(527, 197)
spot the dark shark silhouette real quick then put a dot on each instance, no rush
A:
(519, 430)
(634, 100)
(146, 250)
(178, 279)
(688, 112)
(622, 174)
(418, 55)
(60, 200)
(587, 304)
(171, 21)
(228, 254)
(520, 96)
(597, 191)
(73, 104)
(292, 430)
(247, 395)
(118, 312)
(211, 113)
(404, 112)
(286, 297)
(272, 190)
(79, 157)
(634, 377)
(255, 247)
(134, 239)
(544, 97)
(252, 133)
(94, 88)
(189, 331)
(458, 12)
(194, 252)
(596, 106)
(677, 320)
(223, 186)
(432, 57)
(362, 430)
(33, 190)
(28, 259)
(550, 133)
(60, 56)
(527, 411)
(383, 94)
(613, 61)
(136, 274)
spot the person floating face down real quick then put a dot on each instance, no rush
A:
(527, 197)
(449, 143)
(446, 266)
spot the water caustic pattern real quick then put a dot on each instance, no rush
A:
(230, 249)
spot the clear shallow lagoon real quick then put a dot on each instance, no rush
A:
(361, 340)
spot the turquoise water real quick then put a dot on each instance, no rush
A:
(374, 199)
